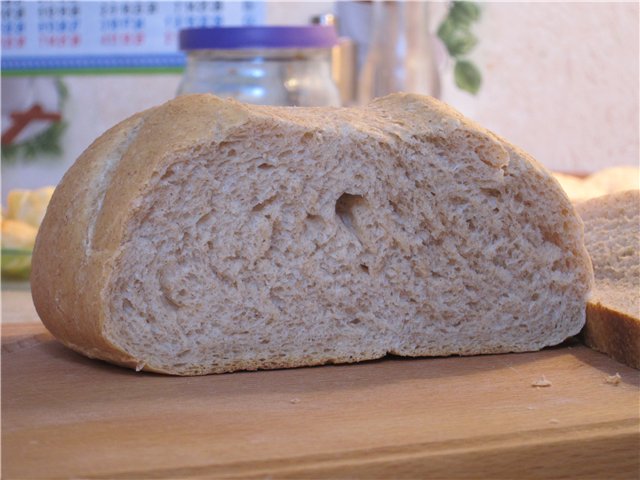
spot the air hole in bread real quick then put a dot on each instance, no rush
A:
(364, 268)
(394, 207)
(265, 166)
(311, 218)
(347, 208)
(471, 225)
(345, 205)
(457, 200)
(261, 205)
(168, 174)
(205, 220)
(491, 192)
(627, 251)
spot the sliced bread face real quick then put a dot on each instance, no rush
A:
(612, 237)
(230, 237)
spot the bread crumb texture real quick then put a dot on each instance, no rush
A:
(612, 237)
(215, 236)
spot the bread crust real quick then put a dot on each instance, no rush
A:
(612, 333)
(63, 258)
(80, 242)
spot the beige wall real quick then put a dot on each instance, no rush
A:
(560, 80)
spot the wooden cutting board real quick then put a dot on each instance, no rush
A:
(477, 417)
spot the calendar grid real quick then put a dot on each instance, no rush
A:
(95, 37)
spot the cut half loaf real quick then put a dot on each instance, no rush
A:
(208, 236)
(612, 236)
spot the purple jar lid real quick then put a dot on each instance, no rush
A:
(310, 36)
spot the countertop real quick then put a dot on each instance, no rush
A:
(64, 415)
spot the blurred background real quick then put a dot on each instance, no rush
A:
(558, 79)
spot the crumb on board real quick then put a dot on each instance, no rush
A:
(541, 382)
(554, 421)
(613, 379)
(294, 400)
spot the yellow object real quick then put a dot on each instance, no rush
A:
(603, 182)
(18, 239)
(29, 205)
(24, 213)
(18, 235)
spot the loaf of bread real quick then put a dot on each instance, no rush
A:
(612, 237)
(207, 236)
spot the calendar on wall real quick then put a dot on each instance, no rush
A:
(64, 36)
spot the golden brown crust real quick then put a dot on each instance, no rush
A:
(79, 238)
(613, 333)
(61, 258)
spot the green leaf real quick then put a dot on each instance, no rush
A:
(46, 143)
(464, 13)
(16, 263)
(467, 76)
(63, 91)
(446, 30)
(461, 42)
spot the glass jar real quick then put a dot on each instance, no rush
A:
(261, 65)
(401, 55)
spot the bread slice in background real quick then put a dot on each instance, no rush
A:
(207, 236)
(612, 237)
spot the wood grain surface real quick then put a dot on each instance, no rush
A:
(65, 416)
(17, 306)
